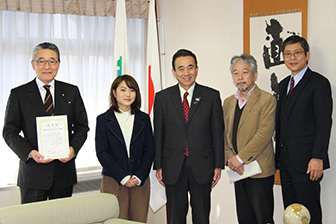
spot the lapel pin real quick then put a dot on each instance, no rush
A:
(197, 100)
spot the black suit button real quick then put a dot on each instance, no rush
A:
(132, 147)
(132, 160)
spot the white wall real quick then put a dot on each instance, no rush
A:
(213, 30)
(321, 37)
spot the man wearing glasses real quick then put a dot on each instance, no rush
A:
(41, 178)
(303, 124)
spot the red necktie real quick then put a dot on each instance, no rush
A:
(291, 87)
(48, 102)
(186, 114)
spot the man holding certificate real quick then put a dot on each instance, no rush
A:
(48, 173)
(249, 117)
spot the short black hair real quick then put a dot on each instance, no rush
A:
(183, 53)
(296, 39)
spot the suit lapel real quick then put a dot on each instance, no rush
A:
(283, 92)
(177, 102)
(60, 97)
(35, 98)
(249, 105)
(197, 99)
(138, 126)
(233, 104)
(114, 127)
(298, 88)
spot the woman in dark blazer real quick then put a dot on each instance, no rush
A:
(125, 149)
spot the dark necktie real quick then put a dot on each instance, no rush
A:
(291, 87)
(48, 102)
(186, 114)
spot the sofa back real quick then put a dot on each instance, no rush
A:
(93, 208)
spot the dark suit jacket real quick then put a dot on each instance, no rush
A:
(203, 134)
(111, 147)
(23, 106)
(308, 122)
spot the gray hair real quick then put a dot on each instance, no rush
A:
(245, 58)
(47, 45)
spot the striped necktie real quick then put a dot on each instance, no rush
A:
(48, 102)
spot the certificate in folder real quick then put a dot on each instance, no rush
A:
(250, 169)
(52, 136)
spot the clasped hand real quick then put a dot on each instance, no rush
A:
(132, 182)
(235, 165)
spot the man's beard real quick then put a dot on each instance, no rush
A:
(242, 89)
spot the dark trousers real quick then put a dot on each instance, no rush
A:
(298, 188)
(254, 200)
(34, 195)
(177, 198)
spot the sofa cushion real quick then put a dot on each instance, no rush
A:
(119, 221)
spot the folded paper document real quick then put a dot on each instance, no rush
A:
(250, 169)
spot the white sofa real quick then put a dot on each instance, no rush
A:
(95, 208)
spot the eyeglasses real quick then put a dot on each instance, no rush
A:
(42, 62)
(296, 54)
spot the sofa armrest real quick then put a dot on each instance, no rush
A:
(82, 209)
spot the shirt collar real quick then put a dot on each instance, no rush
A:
(237, 94)
(299, 76)
(243, 102)
(40, 84)
(190, 91)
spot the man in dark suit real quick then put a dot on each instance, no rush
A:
(303, 124)
(40, 178)
(189, 143)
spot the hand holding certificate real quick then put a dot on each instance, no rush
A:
(250, 169)
(52, 136)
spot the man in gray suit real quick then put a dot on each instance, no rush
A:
(189, 141)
